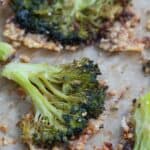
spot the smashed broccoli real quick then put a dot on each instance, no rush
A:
(64, 98)
(142, 123)
(67, 21)
(6, 51)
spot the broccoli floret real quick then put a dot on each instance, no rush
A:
(6, 51)
(67, 21)
(142, 123)
(64, 97)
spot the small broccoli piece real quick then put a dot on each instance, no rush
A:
(67, 21)
(142, 123)
(6, 51)
(64, 97)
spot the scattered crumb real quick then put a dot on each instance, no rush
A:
(146, 41)
(92, 128)
(6, 141)
(124, 124)
(114, 107)
(148, 25)
(16, 44)
(103, 83)
(146, 67)
(3, 128)
(25, 58)
(21, 93)
(120, 147)
(127, 137)
(4, 2)
(56, 148)
(107, 146)
(71, 48)
(111, 93)
(123, 92)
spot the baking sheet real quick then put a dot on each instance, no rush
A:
(122, 72)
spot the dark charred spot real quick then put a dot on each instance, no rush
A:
(134, 101)
(129, 145)
(125, 16)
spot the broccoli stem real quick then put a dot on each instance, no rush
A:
(51, 98)
(6, 51)
(50, 87)
(142, 123)
(41, 87)
(40, 102)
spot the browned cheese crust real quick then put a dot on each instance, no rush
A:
(115, 37)
(121, 36)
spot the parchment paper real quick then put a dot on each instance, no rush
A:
(122, 72)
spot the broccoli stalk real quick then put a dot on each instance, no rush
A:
(142, 123)
(6, 51)
(67, 21)
(64, 98)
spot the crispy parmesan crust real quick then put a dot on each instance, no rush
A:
(17, 35)
(116, 37)
(121, 36)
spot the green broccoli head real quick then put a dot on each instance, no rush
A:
(67, 21)
(6, 51)
(142, 123)
(64, 97)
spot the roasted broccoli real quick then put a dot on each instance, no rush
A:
(142, 123)
(66, 21)
(6, 51)
(136, 133)
(64, 98)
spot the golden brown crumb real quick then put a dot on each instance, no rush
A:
(124, 125)
(3, 128)
(92, 128)
(119, 147)
(4, 2)
(111, 93)
(127, 137)
(123, 92)
(25, 58)
(114, 107)
(107, 146)
(21, 92)
(130, 135)
(6, 141)
(56, 148)
(146, 41)
(16, 44)
(103, 83)
(71, 48)
(148, 25)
